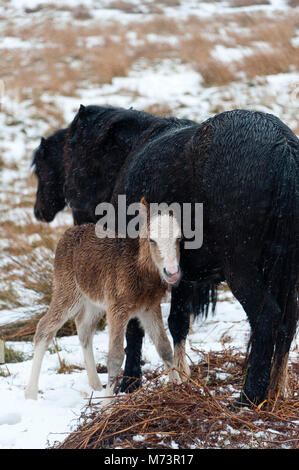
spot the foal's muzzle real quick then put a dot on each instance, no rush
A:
(172, 278)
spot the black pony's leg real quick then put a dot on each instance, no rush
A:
(263, 313)
(132, 373)
(179, 321)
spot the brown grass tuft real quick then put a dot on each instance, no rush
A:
(25, 330)
(281, 61)
(81, 13)
(159, 109)
(293, 3)
(248, 3)
(215, 73)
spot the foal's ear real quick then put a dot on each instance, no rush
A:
(144, 203)
(144, 208)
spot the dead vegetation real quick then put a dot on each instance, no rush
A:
(248, 3)
(29, 259)
(61, 60)
(195, 414)
(293, 3)
(25, 330)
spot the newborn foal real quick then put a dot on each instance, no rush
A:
(123, 277)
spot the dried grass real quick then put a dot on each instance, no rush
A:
(29, 267)
(293, 3)
(82, 13)
(126, 7)
(66, 62)
(284, 60)
(241, 3)
(159, 109)
(25, 330)
(192, 415)
(215, 73)
(248, 3)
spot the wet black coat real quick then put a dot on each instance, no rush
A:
(244, 167)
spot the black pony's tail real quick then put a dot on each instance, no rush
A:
(204, 298)
(280, 263)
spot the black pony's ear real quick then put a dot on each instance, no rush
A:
(40, 151)
(81, 109)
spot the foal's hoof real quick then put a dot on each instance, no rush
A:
(106, 404)
(96, 385)
(129, 385)
(31, 394)
(175, 377)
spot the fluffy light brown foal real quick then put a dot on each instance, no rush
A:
(123, 277)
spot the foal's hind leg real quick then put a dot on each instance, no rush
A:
(61, 309)
(263, 314)
(86, 323)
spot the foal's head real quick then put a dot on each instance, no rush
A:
(163, 235)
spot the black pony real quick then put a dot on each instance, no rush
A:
(243, 166)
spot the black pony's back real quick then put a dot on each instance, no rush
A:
(99, 141)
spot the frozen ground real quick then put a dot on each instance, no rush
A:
(169, 83)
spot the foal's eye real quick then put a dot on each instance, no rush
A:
(151, 240)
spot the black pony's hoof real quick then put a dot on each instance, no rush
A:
(129, 384)
(237, 406)
(242, 402)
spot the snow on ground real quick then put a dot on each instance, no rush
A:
(177, 86)
(37, 424)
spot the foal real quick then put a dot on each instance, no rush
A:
(125, 277)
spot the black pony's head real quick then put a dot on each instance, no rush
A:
(48, 165)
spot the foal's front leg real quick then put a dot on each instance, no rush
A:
(117, 319)
(152, 322)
